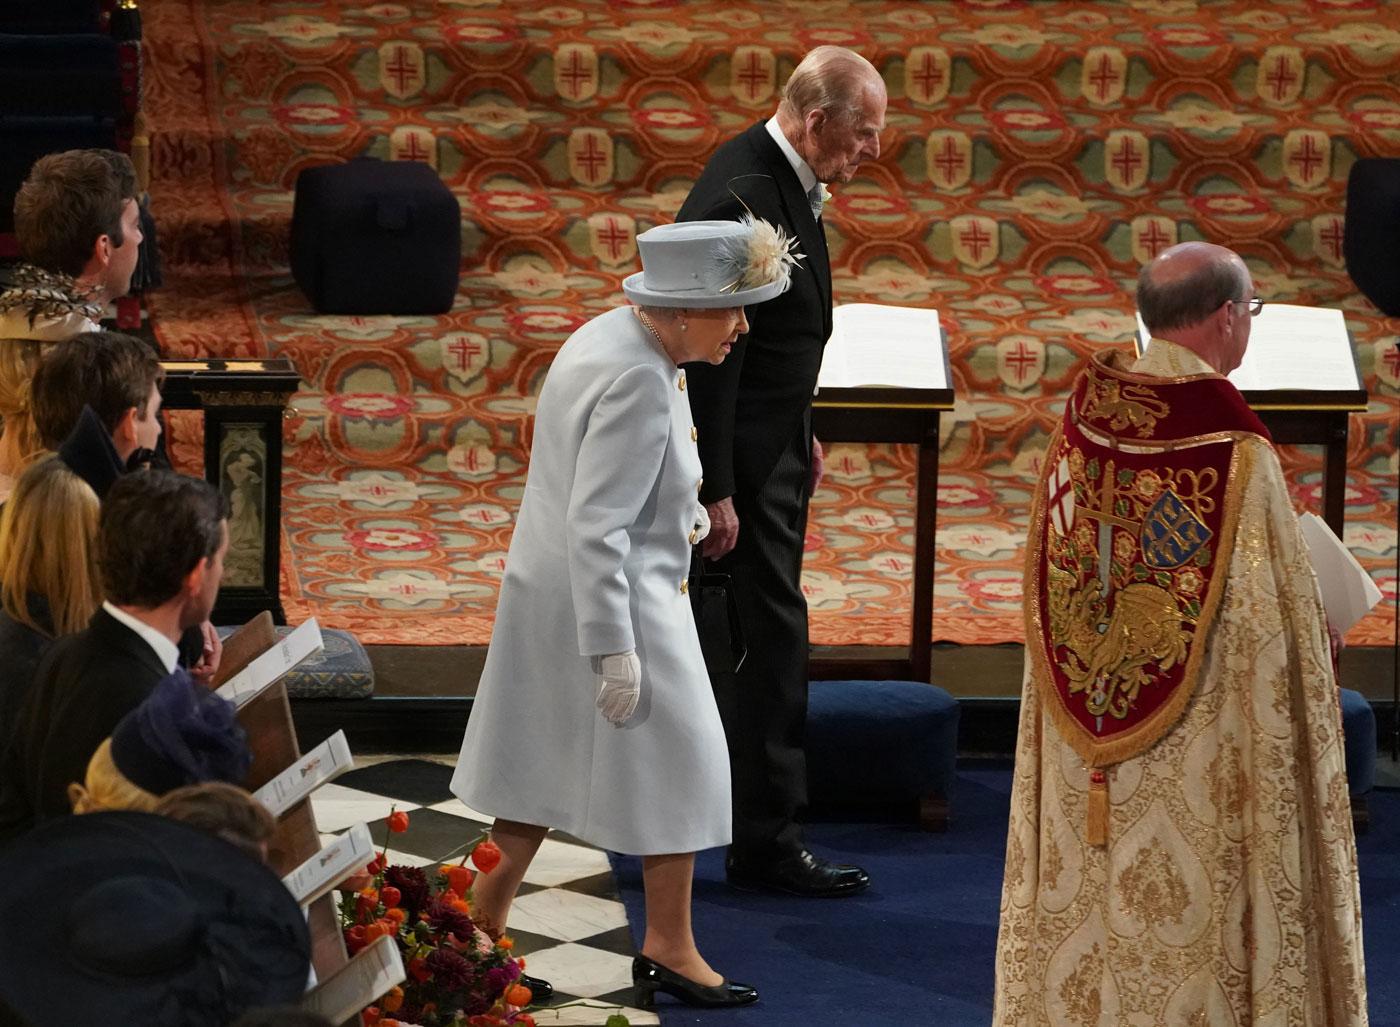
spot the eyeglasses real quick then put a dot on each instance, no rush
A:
(1253, 305)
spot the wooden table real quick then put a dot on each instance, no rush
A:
(893, 415)
(1297, 418)
(244, 402)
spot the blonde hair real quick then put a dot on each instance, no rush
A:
(19, 437)
(107, 788)
(48, 547)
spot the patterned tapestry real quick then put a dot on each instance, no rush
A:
(1036, 155)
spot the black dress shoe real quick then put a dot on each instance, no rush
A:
(649, 977)
(540, 990)
(799, 873)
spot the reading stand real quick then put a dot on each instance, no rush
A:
(885, 414)
(243, 403)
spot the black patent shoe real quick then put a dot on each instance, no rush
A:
(540, 990)
(649, 977)
(799, 873)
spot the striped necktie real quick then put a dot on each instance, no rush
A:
(814, 197)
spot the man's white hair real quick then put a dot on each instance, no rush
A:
(831, 79)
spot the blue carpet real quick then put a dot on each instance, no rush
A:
(919, 946)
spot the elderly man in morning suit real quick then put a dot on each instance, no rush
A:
(760, 460)
(1180, 846)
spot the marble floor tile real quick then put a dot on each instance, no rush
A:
(581, 970)
(566, 915)
(338, 807)
(457, 808)
(560, 862)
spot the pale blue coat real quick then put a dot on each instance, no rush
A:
(596, 565)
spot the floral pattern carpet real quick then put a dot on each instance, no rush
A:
(1036, 154)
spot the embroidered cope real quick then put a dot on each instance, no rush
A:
(1175, 639)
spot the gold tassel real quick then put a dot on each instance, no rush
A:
(1096, 831)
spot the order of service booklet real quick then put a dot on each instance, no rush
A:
(1348, 592)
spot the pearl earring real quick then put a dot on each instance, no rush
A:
(683, 326)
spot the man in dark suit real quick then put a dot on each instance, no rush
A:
(161, 545)
(761, 462)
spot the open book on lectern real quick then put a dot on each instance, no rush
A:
(875, 345)
(1307, 349)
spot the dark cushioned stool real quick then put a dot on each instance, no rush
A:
(340, 671)
(1359, 729)
(376, 237)
(882, 742)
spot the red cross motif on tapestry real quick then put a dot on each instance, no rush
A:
(465, 354)
(401, 70)
(927, 74)
(412, 142)
(1151, 235)
(753, 75)
(1327, 236)
(1280, 75)
(576, 72)
(1307, 157)
(613, 238)
(976, 241)
(1125, 158)
(949, 158)
(1104, 75)
(1020, 361)
(1059, 494)
(590, 156)
(1388, 362)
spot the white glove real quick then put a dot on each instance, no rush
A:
(619, 686)
(702, 522)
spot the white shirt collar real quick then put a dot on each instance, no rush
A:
(167, 651)
(805, 175)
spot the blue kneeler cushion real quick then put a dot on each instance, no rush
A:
(882, 743)
(340, 671)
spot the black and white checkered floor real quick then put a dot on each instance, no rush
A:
(567, 922)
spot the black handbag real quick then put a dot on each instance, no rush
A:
(716, 618)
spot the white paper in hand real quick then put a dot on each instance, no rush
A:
(1348, 592)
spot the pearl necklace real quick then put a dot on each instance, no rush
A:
(650, 326)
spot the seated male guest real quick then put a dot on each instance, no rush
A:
(78, 226)
(118, 376)
(161, 545)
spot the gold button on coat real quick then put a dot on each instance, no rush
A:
(694, 434)
(694, 535)
(681, 384)
(685, 587)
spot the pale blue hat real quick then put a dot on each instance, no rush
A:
(711, 264)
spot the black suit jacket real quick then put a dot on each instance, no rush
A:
(747, 408)
(85, 684)
(21, 649)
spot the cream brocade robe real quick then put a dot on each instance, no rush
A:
(1228, 893)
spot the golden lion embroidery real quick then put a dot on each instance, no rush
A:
(1109, 653)
(1121, 405)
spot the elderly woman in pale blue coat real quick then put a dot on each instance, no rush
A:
(595, 714)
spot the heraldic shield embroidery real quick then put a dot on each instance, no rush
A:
(1130, 539)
